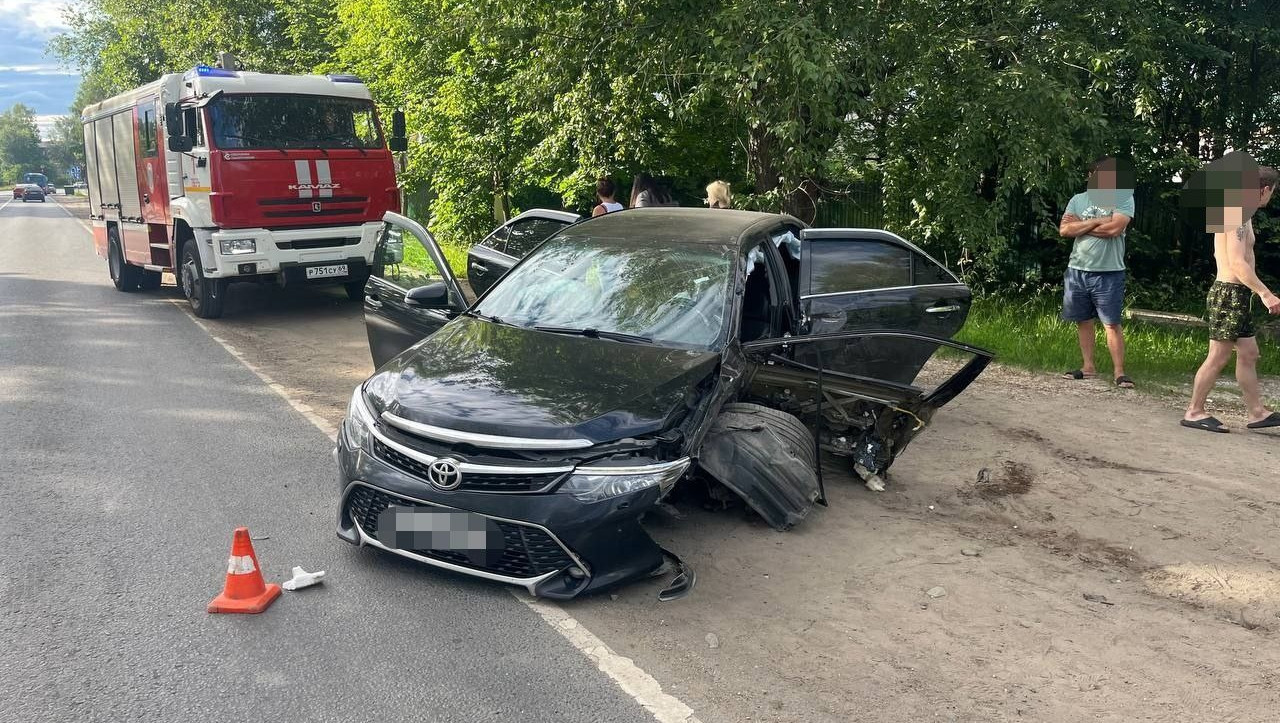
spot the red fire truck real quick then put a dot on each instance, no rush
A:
(221, 175)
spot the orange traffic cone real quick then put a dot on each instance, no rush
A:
(245, 592)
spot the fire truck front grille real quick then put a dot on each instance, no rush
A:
(317, 243)
(295, 201)
(314, 207)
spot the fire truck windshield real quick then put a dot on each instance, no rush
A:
(280, 121)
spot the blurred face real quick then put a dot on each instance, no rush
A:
(1225, 193)
(1103, 178)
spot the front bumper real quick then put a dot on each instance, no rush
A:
(289, 249)
(556, 546)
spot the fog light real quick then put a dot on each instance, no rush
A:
(576, 573)
(248, 268)
(231, 246)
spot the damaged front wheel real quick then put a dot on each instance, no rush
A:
(767, 457)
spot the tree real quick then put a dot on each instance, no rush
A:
(19, 143)
(66, 146)
(975, 117)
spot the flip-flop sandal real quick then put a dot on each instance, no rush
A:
(1272, 420)
(1077, 374)
(1208, 424)
(1124, 382)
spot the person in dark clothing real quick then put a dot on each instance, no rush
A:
(647, 191)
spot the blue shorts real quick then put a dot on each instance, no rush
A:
(1087, 294)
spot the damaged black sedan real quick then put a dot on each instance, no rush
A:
(524, 437)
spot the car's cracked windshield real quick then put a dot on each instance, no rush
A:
(669, 291)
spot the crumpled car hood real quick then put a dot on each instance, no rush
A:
(477, 376)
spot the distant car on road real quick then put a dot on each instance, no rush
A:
(50, 190)
(31, 192)
(17, 191)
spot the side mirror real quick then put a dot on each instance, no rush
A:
(177, 140)
(432, 296)
(397, 143)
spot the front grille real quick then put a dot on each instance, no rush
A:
(529, 551)
(317, 243)
(473, 481)
(294, 201)
(309, 212)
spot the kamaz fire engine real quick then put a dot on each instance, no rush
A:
(221, 175)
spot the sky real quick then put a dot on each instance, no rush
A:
(27, 74)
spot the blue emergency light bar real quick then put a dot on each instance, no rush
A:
(206, 71)
(344, 79)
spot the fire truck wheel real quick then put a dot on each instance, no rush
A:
(150, 280)
(124, 275)
(206, 295)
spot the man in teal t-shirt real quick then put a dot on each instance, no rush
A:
(1094, 282)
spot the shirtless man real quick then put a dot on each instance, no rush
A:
(1230, 322)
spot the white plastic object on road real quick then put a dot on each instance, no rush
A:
(302, 578)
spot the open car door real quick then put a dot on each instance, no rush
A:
(857, 278)
(411, 291)
(869, 420)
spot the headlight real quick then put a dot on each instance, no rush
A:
(358, 421)
(231, 246)
(593, 484)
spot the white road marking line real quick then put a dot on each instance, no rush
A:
(634, 681)
(282, 391)
(6, 204)
(81, 221)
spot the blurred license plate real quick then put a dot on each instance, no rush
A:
(326, 272)
(414, 528)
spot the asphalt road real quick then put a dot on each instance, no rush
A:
(131, 445)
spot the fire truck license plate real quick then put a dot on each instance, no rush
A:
(326, 272)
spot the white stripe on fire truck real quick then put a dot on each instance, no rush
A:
(323, 179)
(303, 170)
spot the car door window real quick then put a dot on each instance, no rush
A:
(525, 234)
(403, 261)
(842, 266)
(928, 272)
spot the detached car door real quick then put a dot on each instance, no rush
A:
(499, 251)
(411, 291)
(853, 279)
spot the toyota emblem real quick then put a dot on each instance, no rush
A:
(315, 206)
(444, 474)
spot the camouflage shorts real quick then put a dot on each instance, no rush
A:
(1229, 312)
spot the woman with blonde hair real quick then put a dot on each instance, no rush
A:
(718, 195)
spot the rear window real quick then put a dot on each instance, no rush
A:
(845, 266)
(927, 272)
(527, 233)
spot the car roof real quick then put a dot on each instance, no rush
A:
(690, 225)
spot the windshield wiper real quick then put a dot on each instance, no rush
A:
(484, 317)
(596, 334)
(261, 143)
(344, 142)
